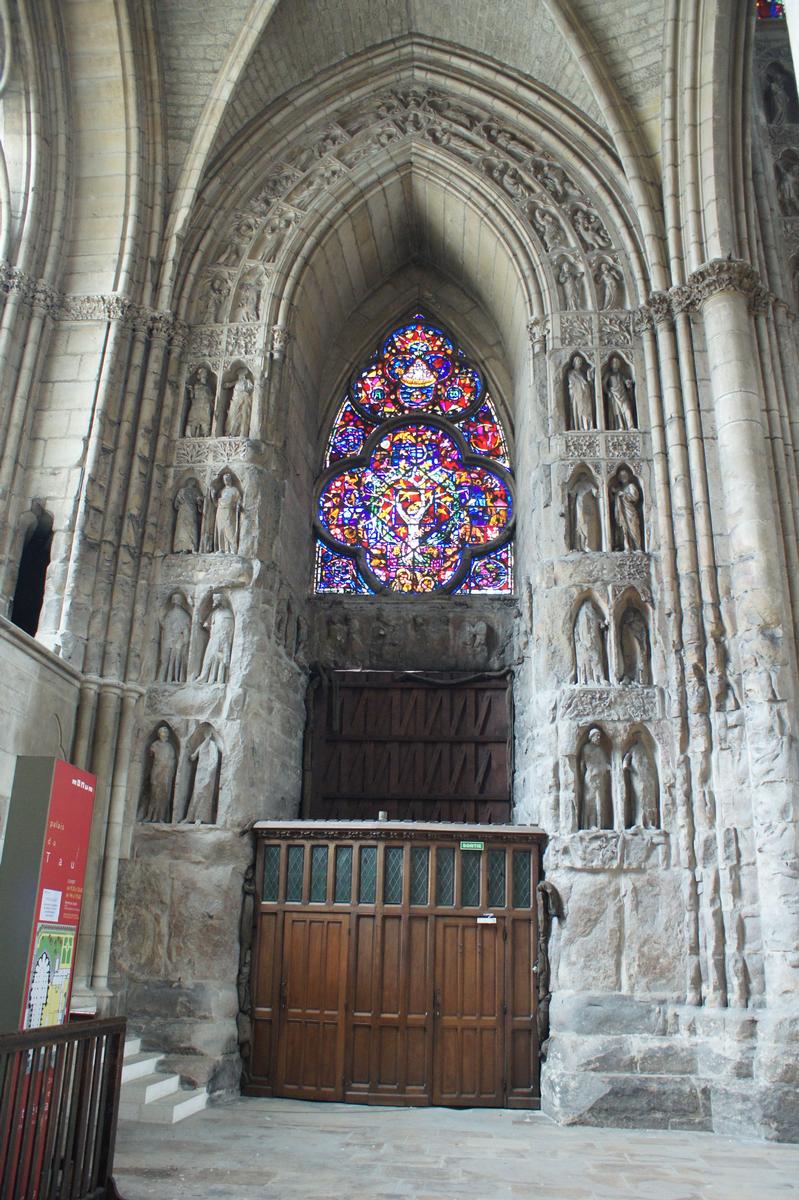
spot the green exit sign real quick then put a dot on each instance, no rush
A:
(473, 846)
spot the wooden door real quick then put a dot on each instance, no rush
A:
(313, 992)
(469, 999)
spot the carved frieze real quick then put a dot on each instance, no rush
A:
(191, 452)
(581, 445)
(610, 704)
(623, 445)
(615, 329)
(576, 331)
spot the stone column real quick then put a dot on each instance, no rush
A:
(725, 291)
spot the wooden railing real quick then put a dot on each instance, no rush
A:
(59, 1097)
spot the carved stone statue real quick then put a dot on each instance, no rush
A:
(627, 523)
(202, 804)
(227, 498)
(619, 391)
(175, 634)
(238, 242)
(569, 278)
(580, 393)
(608, 280)
(634, 648)
(590, 229)
(549, 227)
(590, 657)
(642, 791)
(787, 171)
(188, 505)
(586, 526)
(217, 292)
(219, 625)
(201, 405)
(248, 302)
(238, 413)
(596, 807)
(163, 763)
(777, 100)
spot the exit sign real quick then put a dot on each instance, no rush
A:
(473, 846)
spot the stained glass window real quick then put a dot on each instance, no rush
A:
(417, 494)
(766, 10)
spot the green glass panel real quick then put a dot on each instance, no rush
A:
(318, 893)
(420, 873)
(294, 871)
(342, 892)
(522, 887)
(368, 876)
(392, 875)
(445, 876)
(269, 891)
(496, 879)
(470, 878)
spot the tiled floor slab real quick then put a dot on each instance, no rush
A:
(286, 1150)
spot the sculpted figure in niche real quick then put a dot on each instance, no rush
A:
(626, 506)
(590, 229)
(549, 227)
(590, 655)
(201, 404)
(596, 805)
(787, 172)
(219, 626)
(218, 290)
(238, 413)
(642, 791)
(569, 278)
(608, 284)
(634, 648)
(227, 498)
(248, 302)
(619, 392)
(163, 763)
(175, 634)
(242, 235)
(188, 505)
(202, 803)
(586, 526)
(580, 394)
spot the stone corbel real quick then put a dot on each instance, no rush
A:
(538, 332)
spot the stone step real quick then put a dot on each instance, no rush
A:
(146, 1089)
(132, 1046)
(140, 1064)
(171, 1109)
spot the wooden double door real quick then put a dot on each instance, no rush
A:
(391, 979)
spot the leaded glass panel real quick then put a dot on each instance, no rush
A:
(445, 876)
(470, 878)
(318, 890)
(522, 885)
(294, 872)
(496, 879)
(392, 875)
(342, 887)
(367, 888)
(420, 874)
(271, 883)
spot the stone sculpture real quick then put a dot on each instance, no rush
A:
(580, 394)
(596, 807)
(590, 655)
(238, 242)
(777, 99)
(217, 292)
(163, 764)
(569, 278)
(248, 302)
(642, 805)
(202, 803)
(201, 404)
(219, 625)
(188, 505)
(175, 635)
(627, 523)
(549, 227)
(608, 280)
(226, 496)
(590, 229)
(634, 648)
(586, 525)
(619, 392)
(238, 413)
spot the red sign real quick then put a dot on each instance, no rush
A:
(59, 897)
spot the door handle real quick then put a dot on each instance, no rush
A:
(283, 991)
(436, 1003)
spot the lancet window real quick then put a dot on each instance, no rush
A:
(416, 495)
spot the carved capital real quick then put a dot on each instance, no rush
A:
(279, 340)
(643, 319)
(538, 332)
(730, 275)
(660, 307)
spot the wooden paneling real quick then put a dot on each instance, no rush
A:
(420, 750)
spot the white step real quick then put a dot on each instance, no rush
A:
(147, 1088)
(170, 1109)
(132, 1046)
(138, 1065)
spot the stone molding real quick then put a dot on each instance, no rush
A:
(718, 275)
(59, 306)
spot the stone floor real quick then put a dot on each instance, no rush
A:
(287, 1150)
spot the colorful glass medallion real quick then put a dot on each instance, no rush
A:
(349, 434)
(484, 434)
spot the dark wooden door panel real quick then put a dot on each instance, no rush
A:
(469, 994)
(313, 997)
